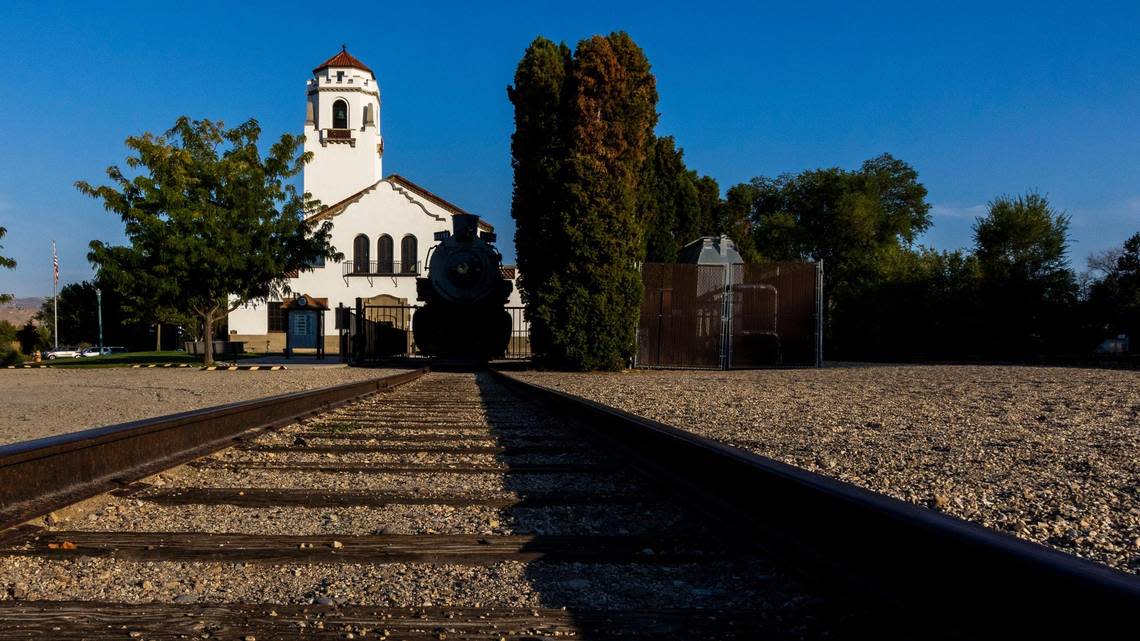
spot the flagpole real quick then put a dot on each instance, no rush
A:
(54, 296)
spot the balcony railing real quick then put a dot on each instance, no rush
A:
(381, 268)
(337, 136)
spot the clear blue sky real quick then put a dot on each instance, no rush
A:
(982, 99)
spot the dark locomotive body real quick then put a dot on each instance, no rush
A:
(464, 296)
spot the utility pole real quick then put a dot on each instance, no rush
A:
(99, 307)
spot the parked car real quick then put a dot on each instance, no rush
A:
(105, 351)
(63, 352)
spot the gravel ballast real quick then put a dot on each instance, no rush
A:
(1049, 454)
(46, 402)
(676, 562)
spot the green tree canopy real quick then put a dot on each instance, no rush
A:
(844, 218)
(1024, 239)
(1114, 300)
(856, 222)
(1028, 287)
(541, 96)
(79, 316)
(583, 128)
(6, 263)
(211, 223)
(670, 203)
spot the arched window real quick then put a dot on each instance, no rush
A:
(385, 260)
(408, 254)
(360, 255)
(340, 115)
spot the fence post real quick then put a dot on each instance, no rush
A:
(358, 332)
(819, 313)
(726, 319)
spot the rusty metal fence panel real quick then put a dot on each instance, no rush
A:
(773, 314)
(681, 316)
(738, 316)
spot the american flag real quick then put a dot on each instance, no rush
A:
(54, 264)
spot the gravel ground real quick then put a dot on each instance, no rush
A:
(741, 579)
(1049, 454)
(419, 483)
(127, 515)
(46, 402)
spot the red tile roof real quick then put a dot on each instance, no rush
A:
(343, 59)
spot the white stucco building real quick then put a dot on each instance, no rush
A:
(383, 226)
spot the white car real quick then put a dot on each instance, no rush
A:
(65, 352)
(96, 351)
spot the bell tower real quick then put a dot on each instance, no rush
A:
(342, 129)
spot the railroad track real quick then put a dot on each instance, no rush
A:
(473, 506)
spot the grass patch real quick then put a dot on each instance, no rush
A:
(124, 360)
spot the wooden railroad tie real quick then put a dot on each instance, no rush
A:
(385, 468)
(274, 497)
(89, 620)
(350, 448)
(464, 549)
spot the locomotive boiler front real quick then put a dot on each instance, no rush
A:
(464, 295)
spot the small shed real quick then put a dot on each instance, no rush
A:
(305, 324)
(710, 250)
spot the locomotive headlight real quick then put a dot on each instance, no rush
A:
(465, 269)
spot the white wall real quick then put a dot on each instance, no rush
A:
(386, 209)
(340, 169)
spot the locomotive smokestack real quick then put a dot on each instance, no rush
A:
(465, 227)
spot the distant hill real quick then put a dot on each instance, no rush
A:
(19, 311)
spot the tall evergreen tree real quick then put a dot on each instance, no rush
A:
(709, 202)
(541, 95)
(670, 202)
(581, 141)
(6, 263)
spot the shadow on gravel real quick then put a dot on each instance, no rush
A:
(624, 557)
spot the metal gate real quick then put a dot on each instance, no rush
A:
(371, 333)
(737, 316)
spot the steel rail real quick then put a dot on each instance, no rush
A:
(954, 573)
(37, 477)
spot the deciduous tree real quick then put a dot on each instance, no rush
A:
(212, 224)
(1029, 290)
(6, 263)
(854, 221)
(1114, 300)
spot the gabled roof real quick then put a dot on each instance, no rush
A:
(343, 59)
(427, 195)
(396, 179)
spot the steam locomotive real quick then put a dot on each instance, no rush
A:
(464, 296)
